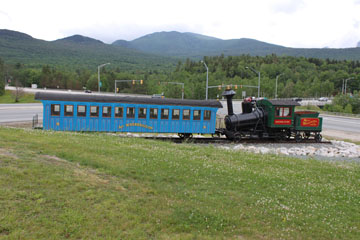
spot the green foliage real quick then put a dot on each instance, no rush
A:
(2, 78)
(2, 88)
(345, 103)
(298, 77)
(8, 97)
(348, 108)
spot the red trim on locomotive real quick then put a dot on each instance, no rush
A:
(282, 122)
(309, 122)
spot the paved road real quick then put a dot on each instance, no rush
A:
(19, 112)
(341, 124)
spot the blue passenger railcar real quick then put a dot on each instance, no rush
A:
(89, 112)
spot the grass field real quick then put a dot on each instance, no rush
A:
(56, 185)
(26, 98)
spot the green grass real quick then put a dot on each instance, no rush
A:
(56, 185)
(26, 98)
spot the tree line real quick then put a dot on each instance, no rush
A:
(297, 77)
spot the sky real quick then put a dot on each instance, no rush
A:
(290, 23)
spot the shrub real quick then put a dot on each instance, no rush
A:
(348, 108)
(2, 88)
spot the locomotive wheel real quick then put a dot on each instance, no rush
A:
(185, 135)
(298, 137)
(238, 136)
(307, 135)
(288, 135)
(215, 135)
(318, 137)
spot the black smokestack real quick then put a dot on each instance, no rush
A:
(229, 93)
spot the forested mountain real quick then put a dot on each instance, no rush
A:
(79, 39)
(75, 52)
(195, 46)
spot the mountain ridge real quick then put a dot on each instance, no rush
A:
(196, 46)
(74, 52)
(151, 50)
(79, 39)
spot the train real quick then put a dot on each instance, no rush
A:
(273, 119)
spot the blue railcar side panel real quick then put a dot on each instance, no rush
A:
(67, 123)
(124, 124)
(81, 124)
(46, 115)
(105, 124)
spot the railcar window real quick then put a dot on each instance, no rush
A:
(153, 113)
(119, 112)
(69, 110)
(55, 109)
(197, 114)
(207, 115)
(283, 111)
(81, 111)
(176, 114)
(165, 113)
(142, 112)
(94, 111)
(106, 111)
(186, 114)
(130, 112)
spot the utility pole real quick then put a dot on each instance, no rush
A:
(346, 83)
(100, 66)
(276, 84)
(207, 80)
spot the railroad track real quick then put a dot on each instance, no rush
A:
(226, 141)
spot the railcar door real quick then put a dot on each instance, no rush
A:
(154, 119)
(94, 121)
(55, 116)
(164, 120)
(105, 119)
(119, 118)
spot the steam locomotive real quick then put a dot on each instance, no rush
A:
(275, 119)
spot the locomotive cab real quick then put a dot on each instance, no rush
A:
(281, 113)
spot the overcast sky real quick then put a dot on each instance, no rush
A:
(291, 23)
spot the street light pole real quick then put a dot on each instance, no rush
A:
(346, 83)
(258, 73)
(100, 66)
(207, 80)
(276, 82)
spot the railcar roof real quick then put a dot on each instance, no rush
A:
(282, 102)
(121, 99)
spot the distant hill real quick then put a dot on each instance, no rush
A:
(75, 52)
(80, 39)
(193, 45)
(153, 51)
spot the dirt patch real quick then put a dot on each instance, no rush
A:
(17, 124)
(92, 176)
(7, 153)
(341, 135)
